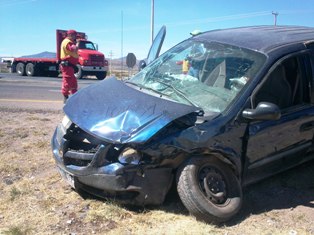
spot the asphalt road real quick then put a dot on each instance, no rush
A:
(33, 92)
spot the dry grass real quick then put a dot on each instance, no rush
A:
(35, 200)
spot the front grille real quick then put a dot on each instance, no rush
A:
(97, 60)
(77, 158)
(80, 148)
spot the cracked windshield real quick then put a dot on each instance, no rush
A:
(207, 75)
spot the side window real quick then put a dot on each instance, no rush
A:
(311, 74)
(287, 85)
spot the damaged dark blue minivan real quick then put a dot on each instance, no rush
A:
(218, 111)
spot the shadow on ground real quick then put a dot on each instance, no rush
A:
(287, 190)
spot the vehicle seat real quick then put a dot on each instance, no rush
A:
(276, 89)
(217, 76)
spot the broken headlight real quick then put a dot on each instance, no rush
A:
(129, 156)
(66, 122)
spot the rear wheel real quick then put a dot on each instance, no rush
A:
(20, 69)
(209, 189)
(30, 69)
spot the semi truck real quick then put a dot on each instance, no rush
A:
(91, 61)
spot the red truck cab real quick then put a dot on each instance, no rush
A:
(91, 61)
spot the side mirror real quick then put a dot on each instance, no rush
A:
(96, 46)
(141, 65)
(263, 111)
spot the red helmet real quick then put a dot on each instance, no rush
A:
(71, 31)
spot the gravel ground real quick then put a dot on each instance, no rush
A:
(35, 200)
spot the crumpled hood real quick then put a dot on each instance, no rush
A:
(115, 112)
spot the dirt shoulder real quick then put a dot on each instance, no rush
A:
(35, 200)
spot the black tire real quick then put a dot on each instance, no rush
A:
(79, 73)
(20, 69)
(101, 75)
(30, 69)
(209, 189)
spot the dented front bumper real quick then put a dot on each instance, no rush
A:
(95, 174)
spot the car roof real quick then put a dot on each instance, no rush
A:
(261, 38)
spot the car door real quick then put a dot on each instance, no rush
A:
(154, 49)
(156, 45)
(275, 145)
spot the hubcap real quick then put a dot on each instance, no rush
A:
(213, 185)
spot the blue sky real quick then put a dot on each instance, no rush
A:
(123, 26)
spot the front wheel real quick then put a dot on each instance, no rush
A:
(78, 72)
(101, 75)
(209, 189)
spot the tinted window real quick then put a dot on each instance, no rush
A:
(287, 85)
(311, 71)
(86, 45)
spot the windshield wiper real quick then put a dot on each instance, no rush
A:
(135, 84)
(200, 112)
(144, 87)
(180, 93)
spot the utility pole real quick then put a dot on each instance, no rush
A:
(110, 65)
(152, 22)
(275, 17)
(121, 43)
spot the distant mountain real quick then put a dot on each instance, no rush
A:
(45, 54)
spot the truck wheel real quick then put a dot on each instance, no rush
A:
(20, 69)
(30, 69)
(209, 189)
(101, 76)
(79, 73)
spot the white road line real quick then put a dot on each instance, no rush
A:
(35, 101)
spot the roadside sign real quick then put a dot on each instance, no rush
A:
(130, 60)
